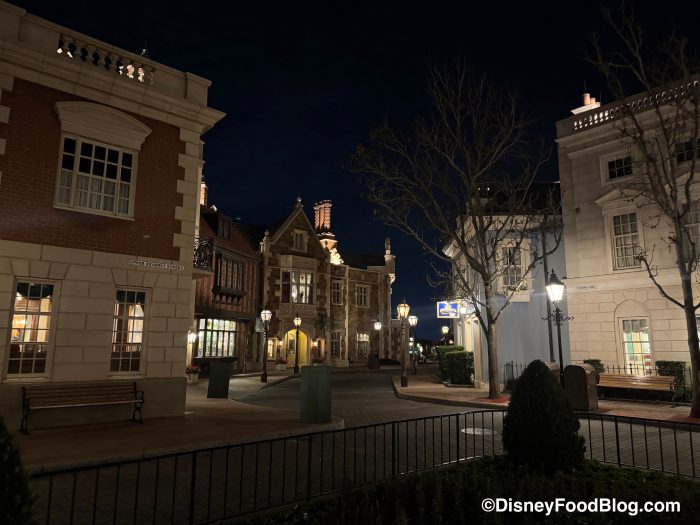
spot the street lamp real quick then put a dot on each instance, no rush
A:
(555, 291)
(402, 311)
(412, 322)
(445, 331)
(297, 323)
(377, 328)
(265, 316)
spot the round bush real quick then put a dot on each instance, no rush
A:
(15, 498)
(540, 429)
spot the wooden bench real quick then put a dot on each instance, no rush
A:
(635, 382)
(65, 395)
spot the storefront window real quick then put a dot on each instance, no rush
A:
(218, 337)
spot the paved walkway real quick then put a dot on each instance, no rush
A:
(427, 388)
(207, 422)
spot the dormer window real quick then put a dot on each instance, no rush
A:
(224, 230)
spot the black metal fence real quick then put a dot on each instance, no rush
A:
(208, 485)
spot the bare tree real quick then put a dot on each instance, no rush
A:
(661, 128)
(449, 183)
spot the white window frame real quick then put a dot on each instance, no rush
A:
(106, 127)
(55, 298)
(610, 232)
(623, 343)
(310, 287)
(522, 294)
(692, 224)
(611, 157)
(336, 346)
(362, 291)
(336, 291)
(142, 358)
(362, 349)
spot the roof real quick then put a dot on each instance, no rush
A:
(254, 233)
(543, 196)
(237, 241)
(362, 260)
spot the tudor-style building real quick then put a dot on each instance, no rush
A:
(100, 161)
(227, 295)
(337, 294)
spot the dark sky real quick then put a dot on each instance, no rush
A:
(302, 84)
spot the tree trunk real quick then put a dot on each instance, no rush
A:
(693, 342)
(494, 390)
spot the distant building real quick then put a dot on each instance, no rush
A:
(621, 318)
(101, 158)
(337, 294)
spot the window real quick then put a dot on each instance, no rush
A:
(297, 287)
(31, 322)
(618, 168)
(224, 228)
(362, 295)
(335, 343)
(217, 337)
(299, 241)
(626, 241)
(511, 259)
(272, 349)
(336, 292)
(692, 226)
(127, 331)
(636, 345)
(229, 274)
(362, 344)
(96, 177)
(686, 151)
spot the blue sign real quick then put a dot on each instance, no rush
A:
(448, 310)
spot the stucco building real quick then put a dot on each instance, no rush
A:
(620, 316)
(101, 159)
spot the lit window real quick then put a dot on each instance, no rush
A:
(636, 345)
(626, 241)
(362, 344)
(336, 292)
(297, 287)
(218, 337)
(229, 274)
(362, 295)
(31, 322)
(96, 177)
(127, 331)
(619, 168)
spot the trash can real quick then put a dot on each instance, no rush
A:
(219, 376)
(315, 397)
(556, 371)
(373, 362)
(581, 388)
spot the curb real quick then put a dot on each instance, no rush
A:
(440, 401)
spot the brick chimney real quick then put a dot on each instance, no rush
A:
(322, 224)
(203, 193)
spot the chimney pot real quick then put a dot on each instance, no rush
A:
(587, 99)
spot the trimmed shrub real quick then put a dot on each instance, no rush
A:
(597, 364)
(460, 367)
(540, 430)
(441, 351)
(681, 391)
(15, 497)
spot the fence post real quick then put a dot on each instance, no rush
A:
(192, 486)
(308, 468)
(617, 443)
(457, 434)
(393, 449)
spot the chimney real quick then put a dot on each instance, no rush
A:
(203, 193)
(322, 216)
(589, 103)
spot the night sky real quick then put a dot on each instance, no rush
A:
(302, 84)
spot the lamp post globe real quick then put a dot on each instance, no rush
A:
(265, 317)
(297, 324)
(402, 312)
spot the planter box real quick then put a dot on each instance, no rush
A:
(192, 379)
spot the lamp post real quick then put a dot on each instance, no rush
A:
(402, 311)
(297, 323)
(265, 316)
(377, 329)
(412, 322)
(445, 331)
(555, 291)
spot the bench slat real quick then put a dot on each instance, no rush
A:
(663, 383)
(123, 402)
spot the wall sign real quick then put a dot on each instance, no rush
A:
(448, 310)
(159, 265)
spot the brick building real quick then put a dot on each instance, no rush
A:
(227, 291)
(100, 161)
(337, 294)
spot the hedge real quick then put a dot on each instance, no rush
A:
(454, 495)
(441, 351)
(681, 391)
(460, 367)
(15, 498)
